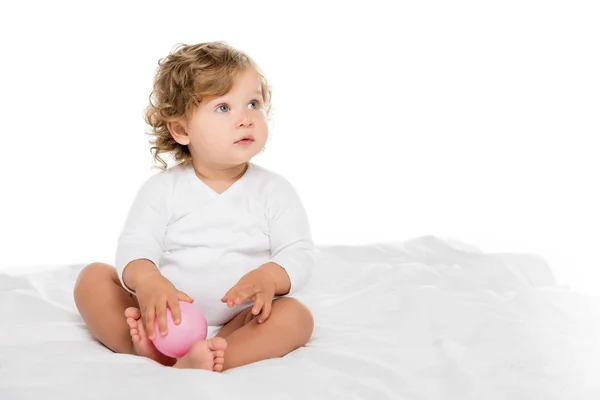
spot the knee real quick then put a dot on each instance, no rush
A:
(90, 276)
(297, 315)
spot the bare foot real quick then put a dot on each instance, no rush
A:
(205, 354)
(143, 346)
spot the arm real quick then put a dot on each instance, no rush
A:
(136, 271)
(140, 244)
(292, 250)
(292, 255)
(278, 275)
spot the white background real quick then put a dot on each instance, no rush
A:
(476, 121)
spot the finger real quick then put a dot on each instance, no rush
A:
(161, 315)
(184, 297)
(258, 303)
(149, 315)
(175, 310)
(227, 295)
(230, 297)
(266, 311)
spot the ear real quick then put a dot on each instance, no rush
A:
(179, 132)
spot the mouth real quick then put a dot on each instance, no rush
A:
(245, 140)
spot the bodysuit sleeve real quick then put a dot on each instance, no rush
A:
(291, 243)
(143, 233)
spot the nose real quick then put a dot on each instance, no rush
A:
(245, 121)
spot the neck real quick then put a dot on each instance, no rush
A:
(209, 173)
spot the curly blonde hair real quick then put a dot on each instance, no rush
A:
(186, 76)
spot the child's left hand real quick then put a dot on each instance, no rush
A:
(258, 286)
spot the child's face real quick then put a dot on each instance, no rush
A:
(214, 131)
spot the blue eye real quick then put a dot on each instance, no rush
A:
(222, 108)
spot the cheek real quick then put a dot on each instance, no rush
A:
(262, 124)
(262, 132)
(207, 133)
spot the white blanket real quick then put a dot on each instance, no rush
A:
(424, 319)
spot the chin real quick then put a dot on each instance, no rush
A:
(244, 159)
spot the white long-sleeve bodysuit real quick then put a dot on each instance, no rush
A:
(204, 242)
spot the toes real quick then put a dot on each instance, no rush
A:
(132, 323)
(133, 312)
(219, 360)
(140, 327)
(135, 336)
(217, 343)
(218, 367)
(219, 354)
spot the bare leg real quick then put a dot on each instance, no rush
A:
(103, 304)
(289, 327)
(102, 301)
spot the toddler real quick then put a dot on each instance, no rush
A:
(215, 229)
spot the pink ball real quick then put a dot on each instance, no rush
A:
(180, 338)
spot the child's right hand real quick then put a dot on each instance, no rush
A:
(155, 293)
